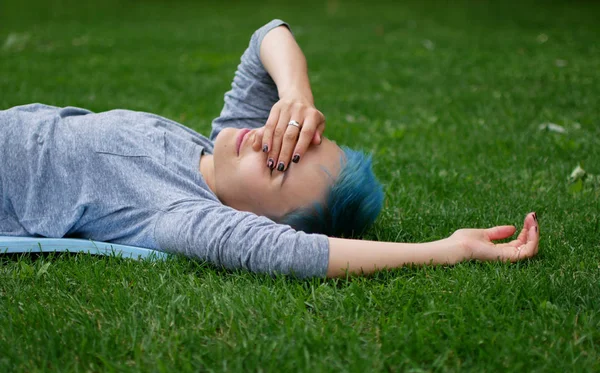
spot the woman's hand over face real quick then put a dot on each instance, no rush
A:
(284, 142)
(477, 243)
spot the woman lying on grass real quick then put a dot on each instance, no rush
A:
(140, 179)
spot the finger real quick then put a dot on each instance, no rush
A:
(257, 139)
(308, 132)
(269, 128)
(521, 239)
(530, 221)
(533, 238)
(316, 139)
(523, 251)
(275, 148)
(500, 232)
(289, 142)
(318, 136)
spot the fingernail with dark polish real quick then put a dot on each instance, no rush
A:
(280, 166)
(296, 158)
(271, 163)
(265, 148)
(534, 216)
(536, 228)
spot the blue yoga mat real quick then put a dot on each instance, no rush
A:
(12, 245)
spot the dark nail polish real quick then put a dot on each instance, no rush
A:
(534, 216)
(265, 148)
(296, 158)
(536, 228)
(271, 163)
(280, 166)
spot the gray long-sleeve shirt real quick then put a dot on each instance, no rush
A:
(133, 178)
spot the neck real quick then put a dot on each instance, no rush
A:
(207, 169)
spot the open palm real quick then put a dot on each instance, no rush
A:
(478, 244)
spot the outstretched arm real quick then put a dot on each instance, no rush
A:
(357, 256)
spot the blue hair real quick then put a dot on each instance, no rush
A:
(351, 205)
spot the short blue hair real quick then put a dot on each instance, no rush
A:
(351, 205)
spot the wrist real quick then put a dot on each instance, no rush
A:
(295, 93)
(459, 248)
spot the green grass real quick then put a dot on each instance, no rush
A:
(449, 97)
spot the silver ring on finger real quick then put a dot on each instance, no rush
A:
(295, 124)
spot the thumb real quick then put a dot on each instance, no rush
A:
(317, 138)
(500, 232)
(260, 133)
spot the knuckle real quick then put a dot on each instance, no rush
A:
(278, 132)
(282, 105)
(304, 135)
(316, 116)
(307, 135)
(290, 136)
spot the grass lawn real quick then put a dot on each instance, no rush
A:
(449, 96)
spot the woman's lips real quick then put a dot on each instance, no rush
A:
(240, 138)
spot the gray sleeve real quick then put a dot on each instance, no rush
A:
(241, 240)
(253, 93)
